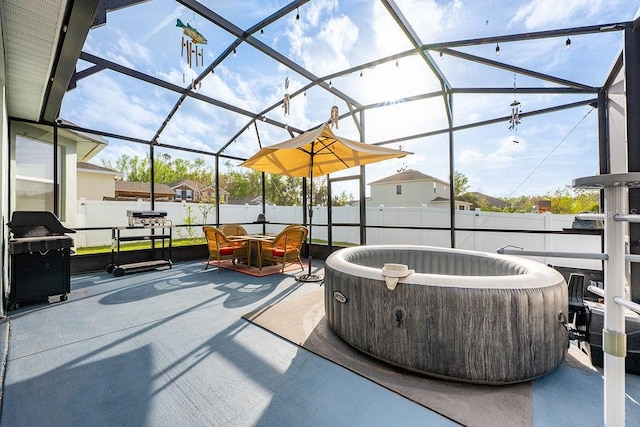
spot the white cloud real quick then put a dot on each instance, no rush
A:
(330, 41)
(430, 20)
(340, 34)
(316, 11)
(166, 21)
(127, 113)
(502, 157)
(545, 13)
(131, 49)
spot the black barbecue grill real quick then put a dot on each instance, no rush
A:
(40, 258)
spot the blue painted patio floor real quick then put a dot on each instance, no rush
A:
(169, 347)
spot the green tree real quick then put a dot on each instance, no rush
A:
(563, 200)
(166, 169)
(570, 201)
(283, 190)
(240, 183)
(520, 204)
(460, 183)
(341, 199)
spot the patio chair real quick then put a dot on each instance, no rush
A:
(233, 230)
(576, 289)
(286, 246)
(221, 248)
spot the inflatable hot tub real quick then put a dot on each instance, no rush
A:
(456, 314)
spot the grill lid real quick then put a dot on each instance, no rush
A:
(36, 224)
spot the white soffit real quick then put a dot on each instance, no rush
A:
(31, 36)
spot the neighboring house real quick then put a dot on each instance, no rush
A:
(127, 190)
(412, 188)
(542, 206)
(193, 191)
(489, 201)
(249, 200)
(96, 182)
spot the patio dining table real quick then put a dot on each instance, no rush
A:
(254, 255)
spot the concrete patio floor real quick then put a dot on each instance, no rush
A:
(169, 347)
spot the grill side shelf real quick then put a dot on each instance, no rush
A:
(165, 236)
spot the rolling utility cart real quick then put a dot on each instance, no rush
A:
(40, 258)
(144, 225)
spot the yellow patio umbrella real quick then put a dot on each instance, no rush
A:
(317, 152)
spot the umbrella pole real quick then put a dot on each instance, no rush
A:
(310, 277)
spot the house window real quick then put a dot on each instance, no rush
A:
(434, 187)
(183, 194)
(399, 189)
(35, 189)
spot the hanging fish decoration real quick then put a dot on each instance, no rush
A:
(192, 33)
(188, 49)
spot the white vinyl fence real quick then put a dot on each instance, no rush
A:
(95, 214)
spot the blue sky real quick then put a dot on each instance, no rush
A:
(332, 35)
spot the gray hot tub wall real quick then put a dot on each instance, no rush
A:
(473, 316)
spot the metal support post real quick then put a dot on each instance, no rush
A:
(613, 334)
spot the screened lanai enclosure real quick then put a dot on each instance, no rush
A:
(117, 111)
(153, 105)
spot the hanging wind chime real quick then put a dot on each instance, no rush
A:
(334, 116)
(287, 97)
(189, 46)
(404, 164)
(514, 121)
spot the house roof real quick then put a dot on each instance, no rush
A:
(407, 175)
(90, 167)
(143, 188)
(492, 201)
(195, 185)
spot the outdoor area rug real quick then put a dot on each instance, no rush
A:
(293, 268)
(301, 321)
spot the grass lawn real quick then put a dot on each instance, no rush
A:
(131, 246)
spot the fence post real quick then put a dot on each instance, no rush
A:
(477, 221)
(81, 222)
(548, 225)
(424, 234)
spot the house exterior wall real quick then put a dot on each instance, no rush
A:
(413, 193)
(95, 186)
(4, 188)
